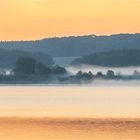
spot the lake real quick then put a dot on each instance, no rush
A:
(70, 101)
(69, 113)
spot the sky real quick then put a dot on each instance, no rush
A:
(36, 19)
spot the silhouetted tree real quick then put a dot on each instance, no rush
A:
(110, 74)
(99, 75)
(79, 74)
(58, 70)
(114, 58)
(25, 65)
(42, 69)
(136, 73)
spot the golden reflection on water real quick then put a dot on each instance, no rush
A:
(69, 129)
(61, 113)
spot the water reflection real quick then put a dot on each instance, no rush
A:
(70, 101)
(69, 129)
(31, 113)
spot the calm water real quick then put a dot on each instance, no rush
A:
(69, 113)
(64, 129)
(70, 101)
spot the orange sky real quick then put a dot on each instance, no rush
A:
(35, 19)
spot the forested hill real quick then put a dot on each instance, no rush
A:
(8, 58)
(76, 46)
(115, 58)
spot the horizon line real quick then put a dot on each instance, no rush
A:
(67, 36)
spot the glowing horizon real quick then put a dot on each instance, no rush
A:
(36, 19)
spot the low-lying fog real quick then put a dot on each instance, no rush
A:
(66, 62)
(95, 69)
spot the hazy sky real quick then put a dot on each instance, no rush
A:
(34, 19)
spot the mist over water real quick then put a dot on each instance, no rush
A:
(101, 110)
(100, 82)
(69, 113)
(70, 101)
(95, 69)
(66, 62)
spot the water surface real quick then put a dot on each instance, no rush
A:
(70, 101)
(69, 113)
